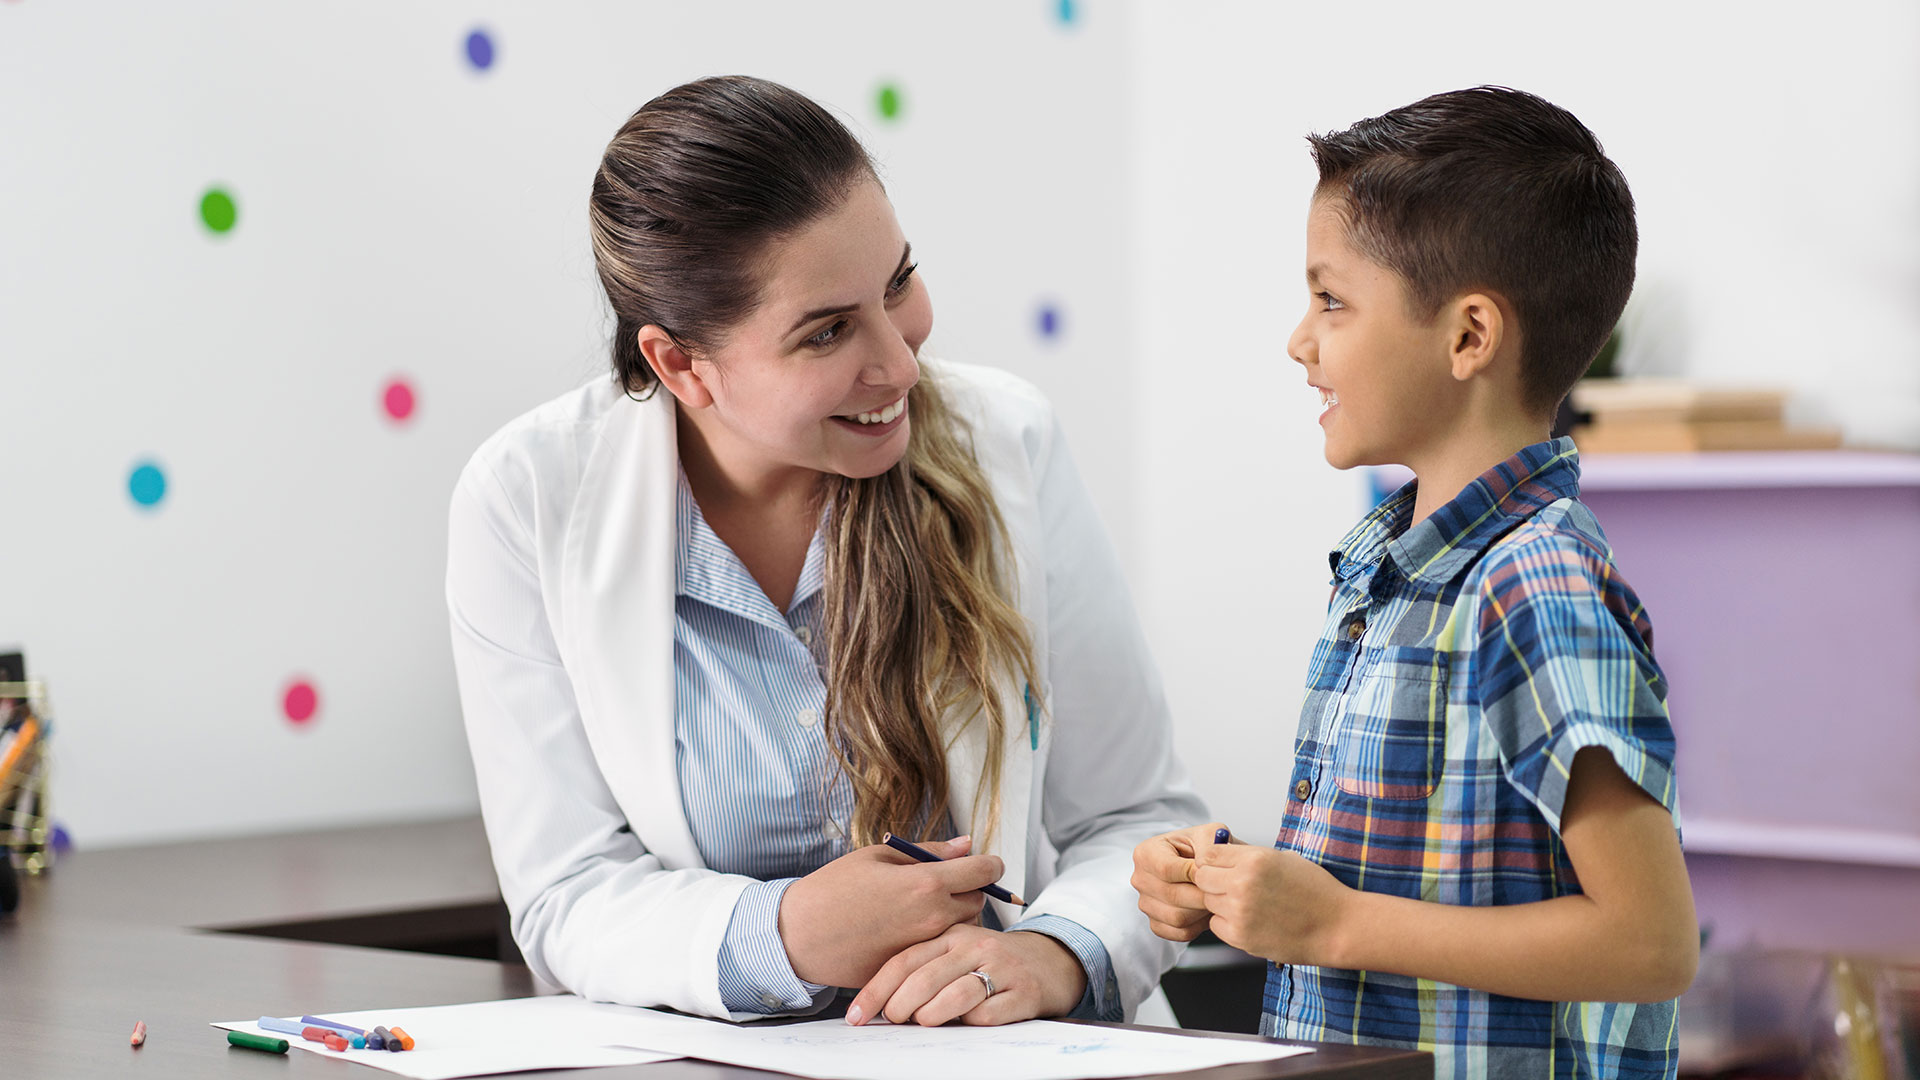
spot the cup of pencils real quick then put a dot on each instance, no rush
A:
(25, 724)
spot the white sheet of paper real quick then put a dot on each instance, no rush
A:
(487, 1037)
(1034, 1050)
(563, 1032)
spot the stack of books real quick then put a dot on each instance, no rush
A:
(1648, 415)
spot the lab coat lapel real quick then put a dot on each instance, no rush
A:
(619, 572)
(1015, 497)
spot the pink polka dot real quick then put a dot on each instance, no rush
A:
(301, 702)
(398, 399)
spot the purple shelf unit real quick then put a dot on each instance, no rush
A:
(1784, 589)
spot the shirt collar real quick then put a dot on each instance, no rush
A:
(707, 570)
(1434, 551)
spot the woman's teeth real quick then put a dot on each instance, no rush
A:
(884, 416)
(1327, 397)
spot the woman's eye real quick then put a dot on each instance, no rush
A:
(902, 283)
(1328, 301)
(828, 336)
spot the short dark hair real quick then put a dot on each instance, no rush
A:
(1497, 189)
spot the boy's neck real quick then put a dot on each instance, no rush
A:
(1443, 471)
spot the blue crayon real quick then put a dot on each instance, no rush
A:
(347, 1029)
(274, 1023)
(375, 1040)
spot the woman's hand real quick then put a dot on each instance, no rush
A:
(1273, 904)
(932, 982)
(844, 920)
(1163, 876)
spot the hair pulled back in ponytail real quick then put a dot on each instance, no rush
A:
(921, 629)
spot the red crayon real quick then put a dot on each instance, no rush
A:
(139, 1033)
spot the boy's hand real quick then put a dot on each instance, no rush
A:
(1163, 876)
(1273, 904)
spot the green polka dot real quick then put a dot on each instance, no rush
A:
(889, 102)
(218, 211)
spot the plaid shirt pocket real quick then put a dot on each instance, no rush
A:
(1394, 745)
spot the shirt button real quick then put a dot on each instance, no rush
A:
(807, 717)
(1356, 630)
(831, 830)
(1302, 789)
(771, 1000)
(804, 633)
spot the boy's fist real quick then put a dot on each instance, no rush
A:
(1163, 876)
(1273, 904)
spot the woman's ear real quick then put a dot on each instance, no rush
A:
(673, 366)
(1477, 329)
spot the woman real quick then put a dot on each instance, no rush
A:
(776, 590)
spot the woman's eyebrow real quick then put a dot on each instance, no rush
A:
(842, 309)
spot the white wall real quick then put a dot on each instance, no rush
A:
(1774, 157)
(1141, 166)
(402, 213)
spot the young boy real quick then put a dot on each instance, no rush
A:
(1480, 848)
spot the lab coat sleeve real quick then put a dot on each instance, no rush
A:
(1112, 778)
(592, 910)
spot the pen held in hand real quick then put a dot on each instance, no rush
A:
(910, 848)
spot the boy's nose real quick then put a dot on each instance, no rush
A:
(1299, 345)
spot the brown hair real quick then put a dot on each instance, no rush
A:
(919, 623)
(1493, 188)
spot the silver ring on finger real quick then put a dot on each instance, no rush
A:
(986, 980)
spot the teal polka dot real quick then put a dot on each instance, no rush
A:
(147, 484)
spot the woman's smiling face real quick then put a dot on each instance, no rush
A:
(817, 376)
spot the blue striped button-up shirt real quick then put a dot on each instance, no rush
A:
(761, 789)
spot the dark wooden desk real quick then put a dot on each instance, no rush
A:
(108, 938)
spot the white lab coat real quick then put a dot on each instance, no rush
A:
(560, 586)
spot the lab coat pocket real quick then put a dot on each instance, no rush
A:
(1393, 735)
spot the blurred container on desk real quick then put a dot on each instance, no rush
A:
(1798, 1014)
(25, 730)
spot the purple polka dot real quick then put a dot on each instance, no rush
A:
(1049, 322)
(480, 50)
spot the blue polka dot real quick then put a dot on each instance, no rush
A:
(147, 484)
(1066, 11)
(62, 840)
(1048, 322)
(480, 50)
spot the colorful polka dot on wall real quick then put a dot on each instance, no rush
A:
(62, 840)
(147, 484)
(1049, 322)
(889, 101)
(397, 399)
(300, 701)
(480, 50)
(1065, 9)
(218, 211)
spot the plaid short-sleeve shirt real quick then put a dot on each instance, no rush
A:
(1464, 661)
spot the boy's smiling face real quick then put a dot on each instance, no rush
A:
(1384, 374)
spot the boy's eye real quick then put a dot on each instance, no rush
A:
(828, 336)
(903, 282)
(1328, 301)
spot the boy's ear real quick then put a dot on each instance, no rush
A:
(1477, 328)
(673, 365)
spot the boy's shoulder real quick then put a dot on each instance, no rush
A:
(1552, 567)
